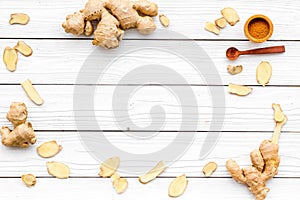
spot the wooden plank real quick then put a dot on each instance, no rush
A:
(251, 113)
(82, 162)
(187, 18)
(101, 188)
(59, 62)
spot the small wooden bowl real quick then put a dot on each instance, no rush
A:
(258, 28)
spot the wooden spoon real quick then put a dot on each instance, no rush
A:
(233, 53)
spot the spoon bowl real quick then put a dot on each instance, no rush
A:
(232, 53)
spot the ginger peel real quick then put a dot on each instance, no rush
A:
(23, 133)
(265, 163)
(113, 17)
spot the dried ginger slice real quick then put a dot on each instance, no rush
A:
(178, 186)
(109, 167)
(29, 179)
(164, 20)
(58, 169)
(19, 18)
(120, 184)
(263, 73)
(209, 168)
(211, 27)
(31, 92)
(230, 15)
(49, 149)
(221, 22)
(233, 70)
(23, 48)
(153, 173)
(10, 58)
(278, 113)
(239, 90)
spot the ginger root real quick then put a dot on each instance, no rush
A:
(265, 163)
(23, 133)
(113, 17)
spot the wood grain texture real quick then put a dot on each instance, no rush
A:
(59, 62)
(251, 113)
(82, 162)
(187, 18)
(101, 188)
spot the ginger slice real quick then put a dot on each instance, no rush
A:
(278, 114)
(31, 92)
(153, 173)
(58, 169)
(23, 48)
(120, 184)
(10, 58)
(233, 70)
(209, 168)
(230, 15)
(49, 149)
(109, 167)
(19, 18)
(239, 90)
(221, 22)
(211, 27)
(263, 73)
(29, 179)
(88, 29)
(164, 20)
(178, 186)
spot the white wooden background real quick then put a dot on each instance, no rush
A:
(55, 64)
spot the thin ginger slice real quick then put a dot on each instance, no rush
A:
(109, 167)
(10, 58)
(23, 48)
(28, 179)
(239, 90)
(58, 170)
(230, 15)
(233, 70)
(263, 73)
(221, 22)
(19, 18)
(211, 27)
(32, 93)
(178, 186)
(120, 184)
(164, 20)
(209, 168)
(153, 173)
(49, 149)
(278, 113)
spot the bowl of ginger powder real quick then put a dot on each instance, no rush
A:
(258, 28)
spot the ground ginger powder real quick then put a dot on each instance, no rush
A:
(259, 28)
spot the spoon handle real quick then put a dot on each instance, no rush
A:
(265, 50)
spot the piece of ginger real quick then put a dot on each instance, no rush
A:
(153, 173)
(23, 133)
(233, 70)
(263, 73)
(178, 186)
(164, 20)
(48, 149)
(120, 184)
(58, 170)
(113, 17)
(230, 15)
(23, 48)
(239, 90)
(109, 167)
(211, 27)
(10, 58)
(29, 179)
(221, 22)
(265, 163)
(19, 18)
(31, 92)
(209, 168)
